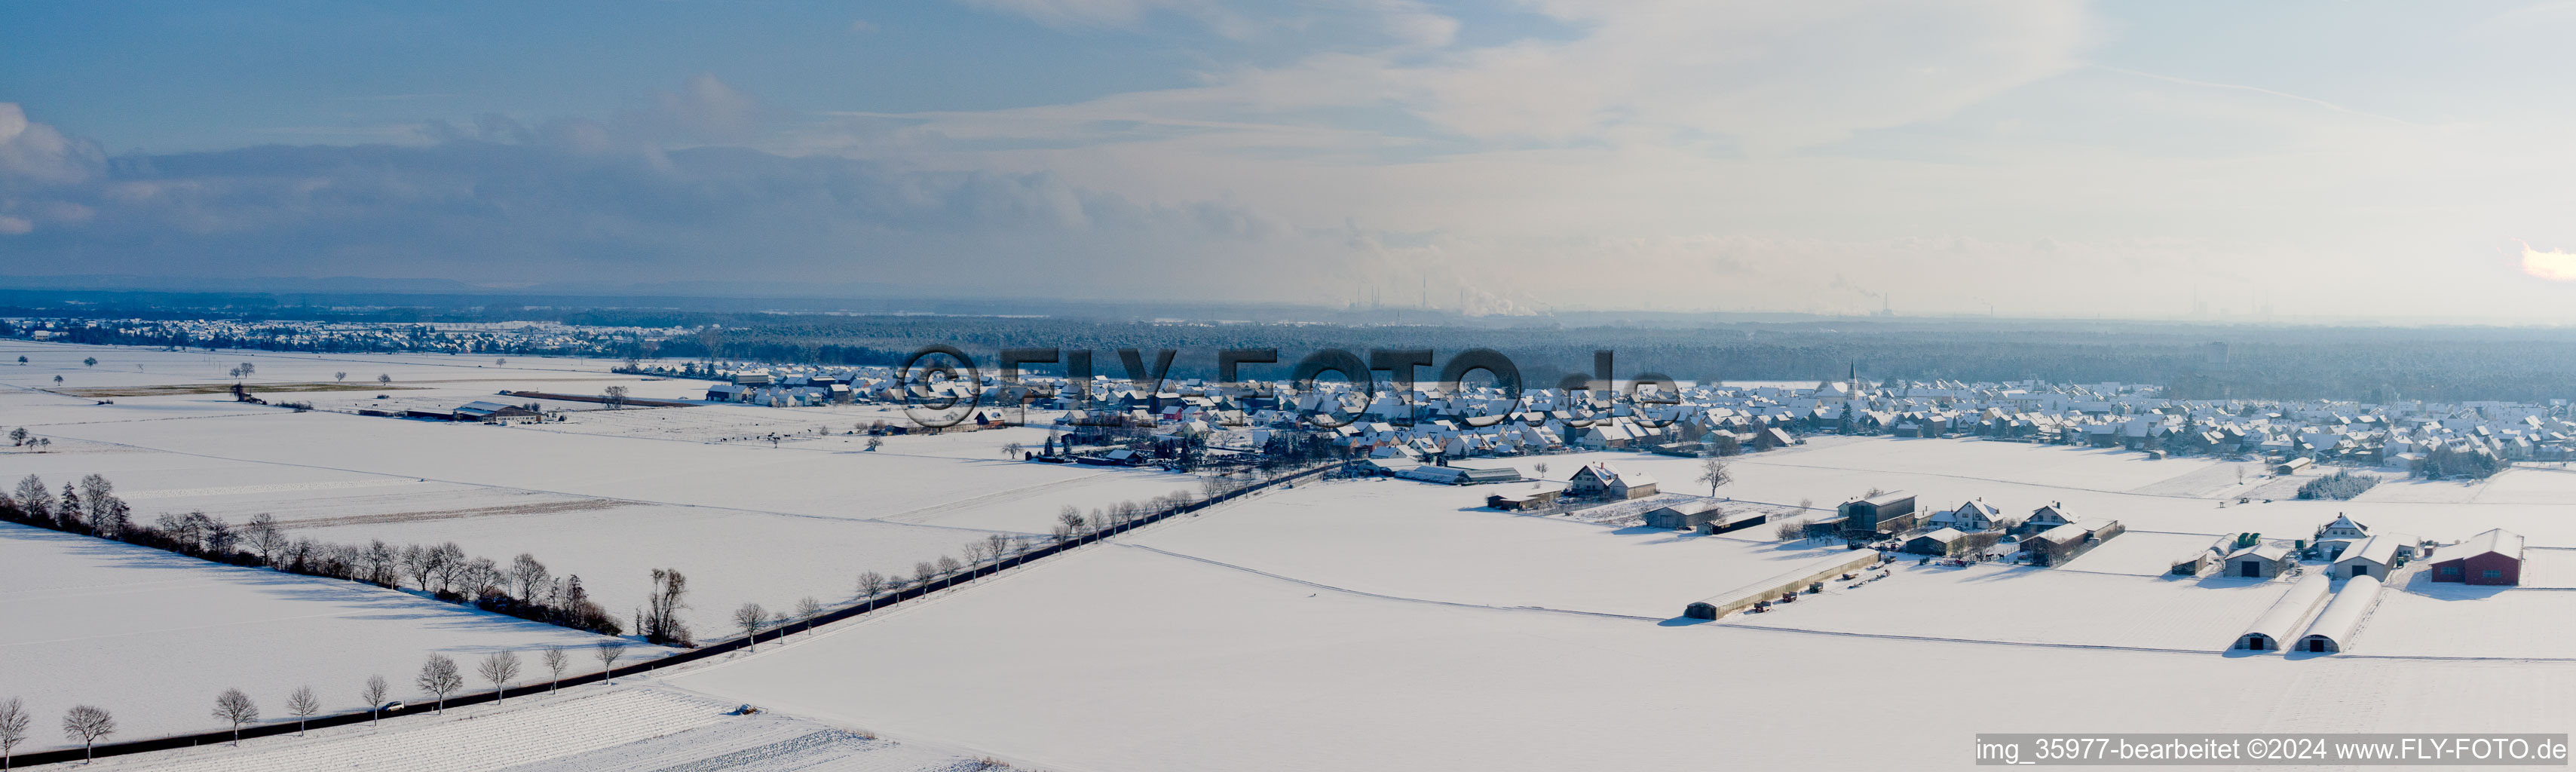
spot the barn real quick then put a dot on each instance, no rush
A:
(1723, 522)
(2492, 558)
(1688, 514)
(2374, 556)
(1514, 502)
(2261, 561)
(1883, 513)
(1943, 542)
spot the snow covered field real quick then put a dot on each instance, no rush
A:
(152, 636)
(1354, 625)
(1154, 662)
(2010, 604)
(627, 728)
(1414, 540)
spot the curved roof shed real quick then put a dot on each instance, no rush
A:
(2281, 622)
(2334, 629)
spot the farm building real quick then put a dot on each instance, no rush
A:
(2494, 557)
(2204, 558)
(2285, 616)
(1944, 542)
(480, 410)
(2374, 556)
(1787, 582)
(2292, 465)
(2258, 561)
(1723, 522)
(1885, 513)
(2066, 542)
(1688, 514)
(2334, 629)
(1514, 502)
(1601, 480)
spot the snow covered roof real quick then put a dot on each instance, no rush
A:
(2344, 614)
(2293, 609)
(2498, 540)
(1944, 535)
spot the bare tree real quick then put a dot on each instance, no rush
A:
(439, 677)
(498, 362)
(609, 652)
(923, 572)
(807, 608)
(374, 695)
(556, 662)
(1714, 472)
(615, 396)
(1013, 449)
(382, 379)
(340, 376)
(235, 707)
(748, 619)
(89, 361)
(303, 704)
(870, 585)
(1071, 517)
(974, 555)
(527, 575)
(1540, 468)
(661, 621)
(998, 545)
(87, 723)
(499, 668)
(263, 536)
(14, 721)
(949, 566)
(873, 442)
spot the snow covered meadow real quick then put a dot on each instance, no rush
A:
(1343, 625)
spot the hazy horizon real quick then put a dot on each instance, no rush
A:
(2295, 163)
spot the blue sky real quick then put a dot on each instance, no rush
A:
(2331, 159)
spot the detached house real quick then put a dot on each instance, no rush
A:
(1972, 516)
(1601, 480)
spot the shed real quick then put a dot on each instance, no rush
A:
(2493, 558)
(480, 410)
(2286, 615)
(1789, 581)
(2261, 561)
(2334, 629)
(1687, 514)
(1943, 542)
(1723, 522)
(1513, 502)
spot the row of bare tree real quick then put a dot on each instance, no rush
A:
(439, 678)
(524, 588)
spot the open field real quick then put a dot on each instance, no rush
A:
(181, 389)
(1153, 662)
(153, 636)
(1415, 540)
(1352, 625)
(626, 728)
